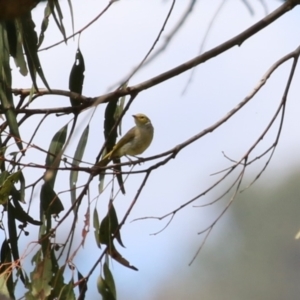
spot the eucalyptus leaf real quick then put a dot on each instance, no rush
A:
(30, 43)
(55, 149)
(7, 185)
(76, 161)
(76, 77)
(109, 280)
(51, 204)
(45, 23)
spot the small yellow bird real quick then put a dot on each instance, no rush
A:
(134, 142)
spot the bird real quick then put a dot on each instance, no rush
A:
(134, 142)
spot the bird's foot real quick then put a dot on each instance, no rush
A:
(141, 159)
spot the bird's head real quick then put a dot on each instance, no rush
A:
(141, 119)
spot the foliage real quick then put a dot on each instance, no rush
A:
(51, 260)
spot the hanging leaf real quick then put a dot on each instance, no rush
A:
(109, 226)
(30, 44)
(101, 182)
(67, 292)
(72, 14)
(45, 23)
(18, 212)
(3, 285)
(51, 204)
(6, 187)
(56, 145)
(120, 108)
(40, 279)
(109, 280)
(55, 148)
(2, 152)
(22, 187)
(55, 8)
(13, 239)
(112, 251)
(6, 278)
(77, 76)
(5, 256)
(82, 286)
(12, 37)
(57, 282)
(5, 88)
(3, 176)
(96, 226)
(109, 122)
(104, 290)
(119, 174)
(111, 112)
(76, 161)
(19, 59)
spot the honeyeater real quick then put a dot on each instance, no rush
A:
(134, 142)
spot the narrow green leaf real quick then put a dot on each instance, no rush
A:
(82, 286)
(2, 152)
(58, 20)
(45, 23)
(60, 15)
(120, 108)
(20, 57)
(13, 238)
(3, 284)
(6, 187)
(30, 44)
(5, 255)
(51, 204)
(101, 183)
(3, 176)
(76, 77)
(119, 174)
(67, 292)
(5, 87)
(109, 122)
(72, 14)
(96, 224)
(109, 227)
(115, 225)
(22, 187)
(103, 289)
(112, 113)
(29, 296)
(57, 282)
(112, 251)
(36, 257)
(109, 135)
(54, 150)
(6, 279)
(18, 212)
(12, 37)
(12, 123)
(109, 280)
(76, 161)
(56, 145)
(41, 277)
(54, 262)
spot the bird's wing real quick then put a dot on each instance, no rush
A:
(127, 138)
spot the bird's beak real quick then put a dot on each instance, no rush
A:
(134, 116)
